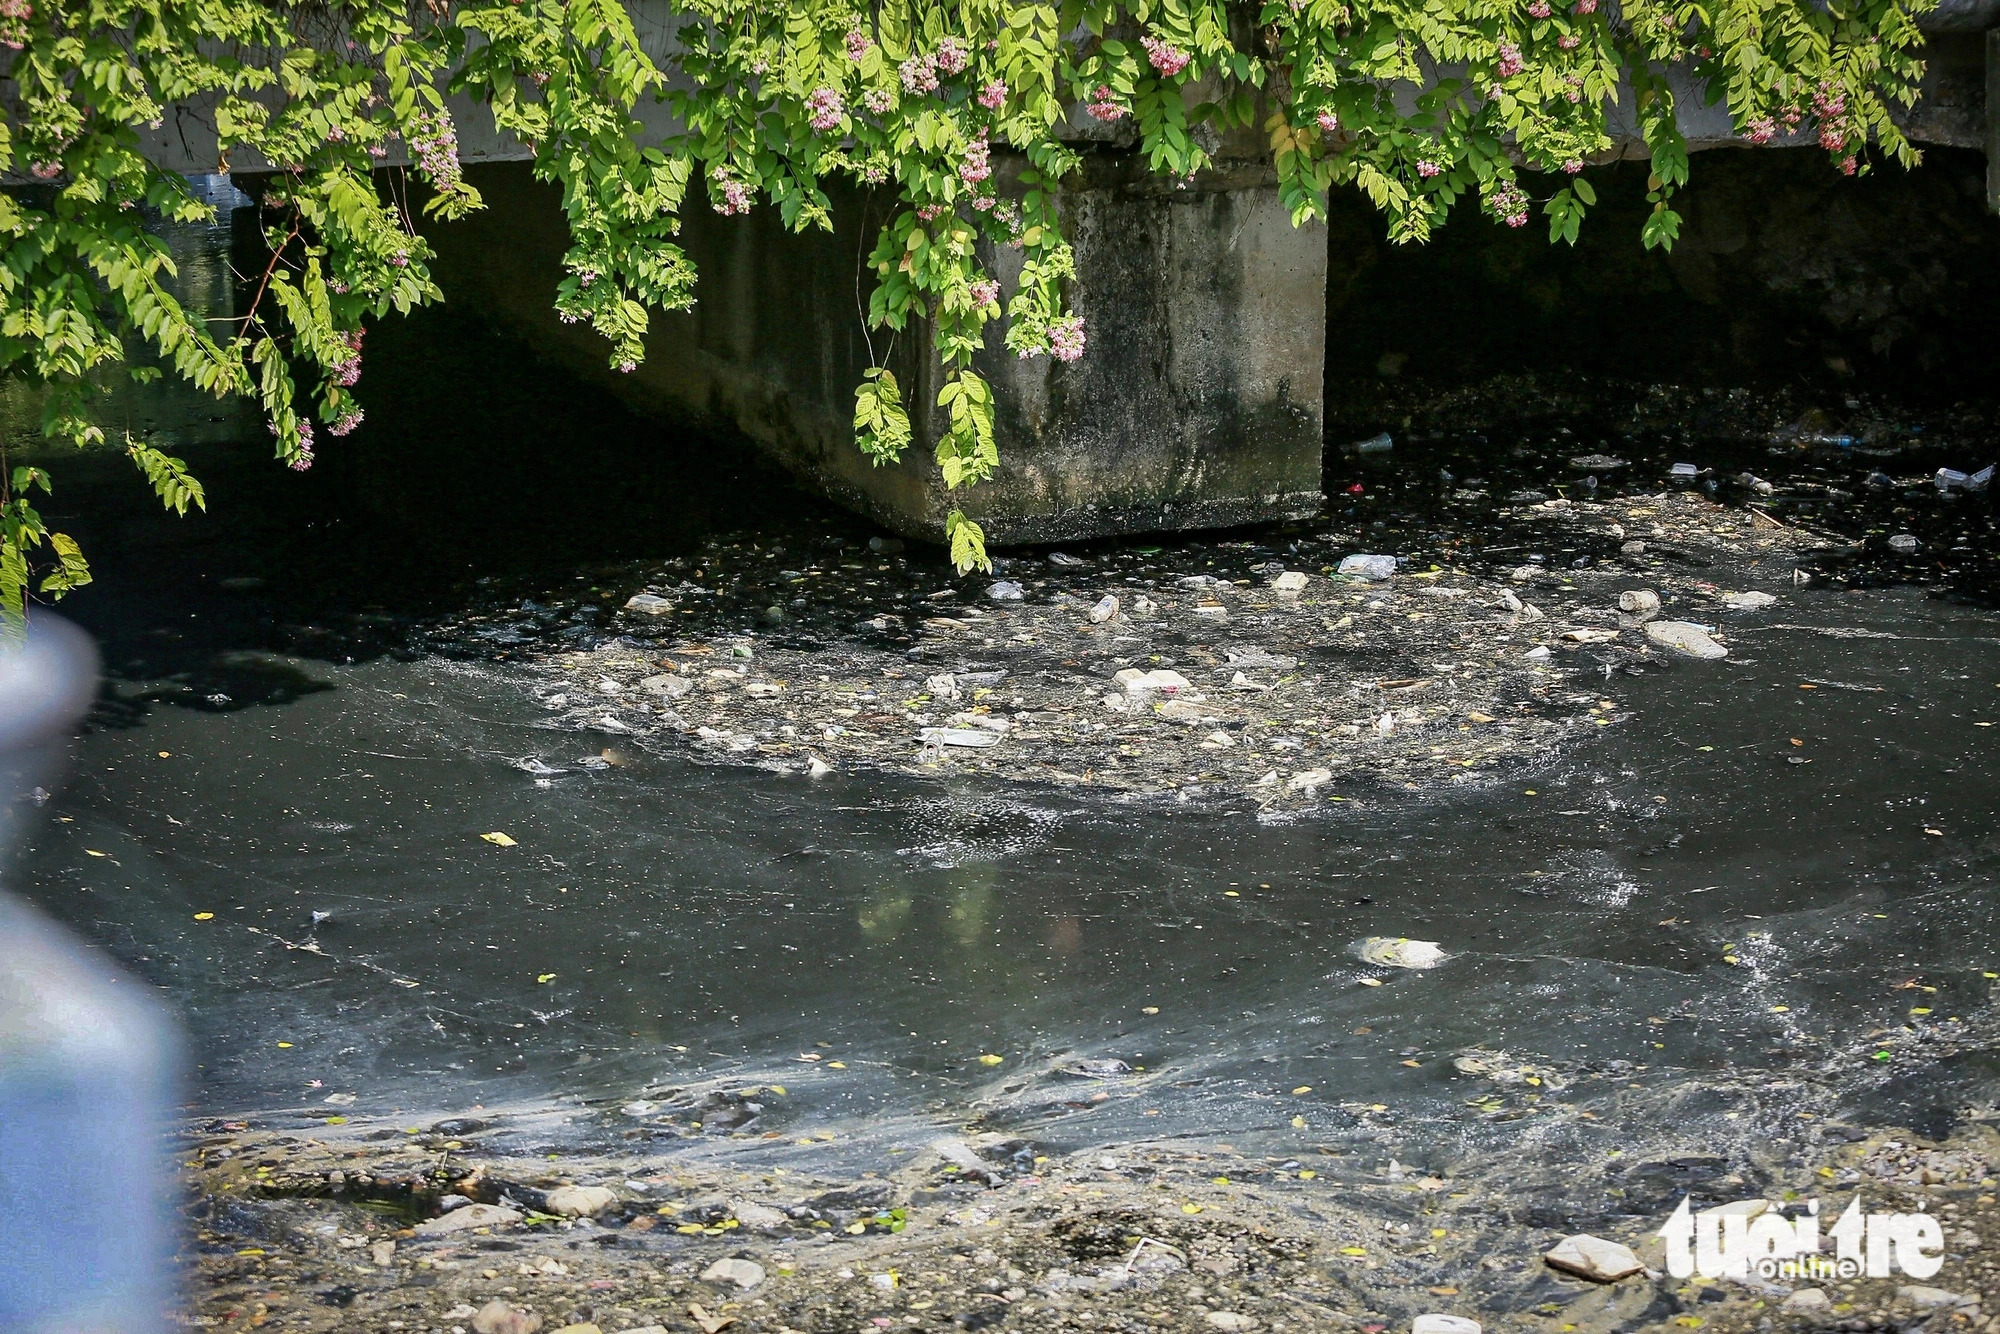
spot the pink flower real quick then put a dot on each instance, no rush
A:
(302, 458)
(994, 95)
(1507, 202)
(19, 10)
(1104, 104)
(984, 292)
(627, 367)
(1168, 59)
(880, 101)
(1427, 169)
(1510, 61)
(1848, 165)
(1761, 129)
(1568, 41)
(932, 212)
(952, 56)
(977, 165)
(919, 75)
(1540, 9)
(984, 203)
(735, 194)
(1328, 122)
(1066, 338)
(346, 422)
(825, 109)
(1584, 7)
(435, 143)
(1573, 166)
(857, 44)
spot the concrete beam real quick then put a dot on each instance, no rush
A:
(1993, 120)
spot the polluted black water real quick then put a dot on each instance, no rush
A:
(378, 882)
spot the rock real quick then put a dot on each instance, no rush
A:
(942, 686)
(1638, 601)
(496, 1317)
(1918, 1295)
(579, 1329)
(1530, 613)
(1591, 636)
(579, 1201)
(1293, 581)
(1594, 1258)
(745, 1274)
(1144, 606)
(1444, 1324)
(817, 767)
(1806, 1299)
(382, 1252)
(1217, 741)
(1005, 590)
(751, 1214)
(1508, 601)
(970, 738)
(649, 604)
(885, 546)
(1539, 653)
(468, 1217)
(1105, 610)
(1632, 548)
(1903, 543)
(1747, 601)
(1685, 637)
(645, 1329)
(1160, 681)
(1230, 1322)
(1367, 567)
(1310, 779)
(667, 684)
(1400, 952)
(1522, 574)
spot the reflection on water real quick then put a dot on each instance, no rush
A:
(168, 413)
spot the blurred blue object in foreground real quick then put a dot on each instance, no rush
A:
(87, 1059)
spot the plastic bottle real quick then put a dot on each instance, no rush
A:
(87, 1060)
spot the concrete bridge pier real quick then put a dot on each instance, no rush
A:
(1198, 403)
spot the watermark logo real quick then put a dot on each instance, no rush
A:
(1730, 1242)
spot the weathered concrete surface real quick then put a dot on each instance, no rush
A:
(1197, 405)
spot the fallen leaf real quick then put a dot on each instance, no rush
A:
(204, 917)
(991, 1059)
(545, 977)
(498, 839)
(1371, 981)
(711, 1324)
(1303, 1088)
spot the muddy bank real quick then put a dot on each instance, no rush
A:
(322, 1229)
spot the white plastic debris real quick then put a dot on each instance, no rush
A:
(1399, 952)
(1368, 567)
(1684, 470)
(1375, 444)
(1951, 479)
(649, 604)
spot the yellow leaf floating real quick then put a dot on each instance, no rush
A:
(284, 1044)
(836, 1065)
(95, 853)
(1307, 1175)
(990, 1059)
(545, 977)
(204, 917)
(1303, 1088)
(1352, 1250)
(1190, 1208)
(1298, 1123)
(498, 839)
